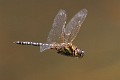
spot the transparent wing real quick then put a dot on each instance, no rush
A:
(44, 47)
(73, 27)
(56, 33)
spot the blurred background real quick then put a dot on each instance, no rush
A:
(31, 20)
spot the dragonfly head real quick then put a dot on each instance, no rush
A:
(80, 52)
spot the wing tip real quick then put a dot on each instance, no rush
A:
(62, 12)
(84, 10)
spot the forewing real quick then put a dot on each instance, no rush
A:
(55, 33)
(73, 27)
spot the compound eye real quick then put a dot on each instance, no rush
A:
(82, 52)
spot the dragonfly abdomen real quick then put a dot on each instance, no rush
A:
(28, 43)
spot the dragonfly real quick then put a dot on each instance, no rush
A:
(62, 35)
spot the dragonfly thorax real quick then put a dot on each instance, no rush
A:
(68, 49)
